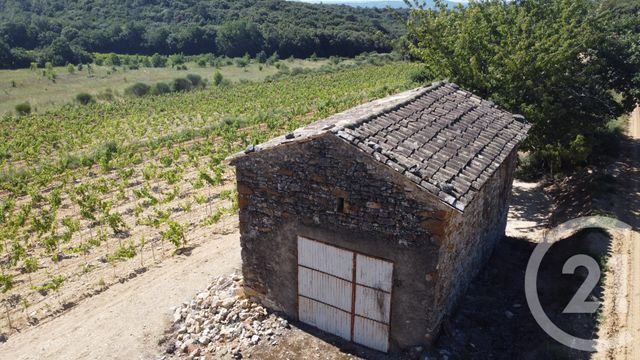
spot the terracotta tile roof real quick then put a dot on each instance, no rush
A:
(446, 140)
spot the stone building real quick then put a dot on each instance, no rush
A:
(370, 224)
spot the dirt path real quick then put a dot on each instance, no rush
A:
(127, 320)
(529, 211)
(633, 215)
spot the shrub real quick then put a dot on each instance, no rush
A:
(160, 88)
(421, 76)
(137, 89)
(181, 84)
(71, 69)
(158, 60)
(217, 78)
(23, 108)
(297, 71)
(84, 98)
(261, 57)
(241, 62)
(196, 80)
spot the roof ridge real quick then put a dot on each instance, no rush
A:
(421, 92)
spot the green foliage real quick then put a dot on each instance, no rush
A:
(23, 108)
(84, 98)
(123, 252)
(217, 78)
(71, 69)
(421, 76)
(50, 31)
(117, 134)
(160, 88)
(6, 283)
(158, 60)
(174, 234)
(55, 284)
(554, 61)
(196, 80)
(30, 265)
(181, 84)
(137, 89)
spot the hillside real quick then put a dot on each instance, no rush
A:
(67, 31)
(381, 4)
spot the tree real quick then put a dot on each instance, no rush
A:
(543, 59)
(236, 38)
(6, 59)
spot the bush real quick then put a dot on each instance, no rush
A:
(71, 69)
(262, 57)
(196, 80)
(158, 60)
(23, 108)
(421, 76)
(137, 89)
(297, 71)
(160, 88)
(217, 78)
(241, 62)
(181, 84)
(84, 98)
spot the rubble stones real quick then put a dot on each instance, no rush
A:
(218, 323)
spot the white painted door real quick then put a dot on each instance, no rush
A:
(345, 293)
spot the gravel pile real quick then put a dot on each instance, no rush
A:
(220, 322)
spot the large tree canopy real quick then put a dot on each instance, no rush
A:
(564, 64)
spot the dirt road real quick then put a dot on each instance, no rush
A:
(127, 320)
(633, 216)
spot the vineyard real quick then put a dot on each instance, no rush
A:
(93, 195)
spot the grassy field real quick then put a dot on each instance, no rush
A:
(25, 85)
(90, 195)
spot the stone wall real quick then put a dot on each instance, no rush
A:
(295, 189)
(472, 236)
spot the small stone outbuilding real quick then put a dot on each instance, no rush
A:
(370, 224)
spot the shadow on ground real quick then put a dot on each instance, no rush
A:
(493, 320)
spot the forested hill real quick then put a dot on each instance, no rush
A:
(65, 31)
